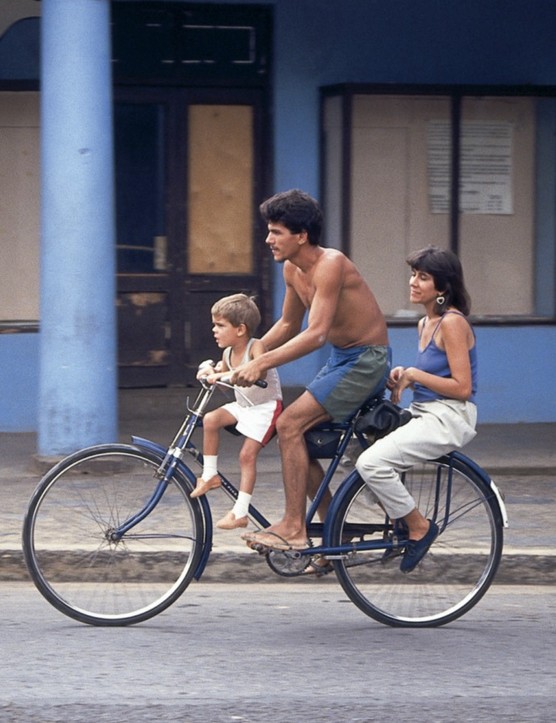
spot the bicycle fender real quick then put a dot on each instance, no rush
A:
(205, 508)
(354, 477)
(485, 477)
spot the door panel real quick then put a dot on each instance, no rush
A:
(187, 185)
(220, 189)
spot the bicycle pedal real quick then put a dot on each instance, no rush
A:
(391, 554)
(260, 548)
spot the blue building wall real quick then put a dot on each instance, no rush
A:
(432, 41)
(322, 42)
(19, 382)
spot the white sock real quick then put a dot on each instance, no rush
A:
(241, 507)
(210, 466)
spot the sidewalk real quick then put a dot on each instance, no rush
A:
(521, 458)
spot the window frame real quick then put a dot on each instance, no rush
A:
(456, 95)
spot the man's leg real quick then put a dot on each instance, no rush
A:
(296, 419)
(316, 474)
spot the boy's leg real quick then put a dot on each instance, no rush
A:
(238, 515)
(213, 422)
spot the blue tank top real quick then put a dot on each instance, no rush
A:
(434, 360)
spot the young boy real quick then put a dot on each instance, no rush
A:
(235, 319)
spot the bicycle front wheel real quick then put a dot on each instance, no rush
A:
(68, 537)
(457, 570)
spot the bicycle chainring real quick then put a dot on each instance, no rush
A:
(288, 563)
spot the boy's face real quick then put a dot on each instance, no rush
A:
(225, 333)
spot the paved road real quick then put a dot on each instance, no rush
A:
(287, 653)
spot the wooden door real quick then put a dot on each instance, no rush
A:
(188, 182)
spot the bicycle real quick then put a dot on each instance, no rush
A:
(134, 539)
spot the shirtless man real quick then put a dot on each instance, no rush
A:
(342, 311)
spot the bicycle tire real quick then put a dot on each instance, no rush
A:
(457, 570)
(66, 544)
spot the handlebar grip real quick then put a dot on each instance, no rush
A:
(261, 383)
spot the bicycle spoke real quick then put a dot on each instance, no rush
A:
(69, 545)
(454, 574)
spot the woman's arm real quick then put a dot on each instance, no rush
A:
(456, 338)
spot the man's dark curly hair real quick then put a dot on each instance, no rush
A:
(297, 211)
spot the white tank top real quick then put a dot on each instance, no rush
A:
(255, 395)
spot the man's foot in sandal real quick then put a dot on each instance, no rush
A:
(319, 567)
(264, 540)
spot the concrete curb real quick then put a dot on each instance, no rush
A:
(515, 568)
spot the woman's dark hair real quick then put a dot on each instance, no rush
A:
(297, 211)
(446, 270)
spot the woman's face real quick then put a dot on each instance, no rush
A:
(422, 288)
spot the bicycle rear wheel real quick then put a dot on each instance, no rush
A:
(457, 570)
(74, 562)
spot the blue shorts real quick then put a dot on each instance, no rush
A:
(349, 378)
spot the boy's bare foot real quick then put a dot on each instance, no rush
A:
(203, 486)
(230, 521)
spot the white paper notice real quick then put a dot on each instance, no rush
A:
(485, 167)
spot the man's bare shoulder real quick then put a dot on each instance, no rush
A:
(332, 259)
(333, 255)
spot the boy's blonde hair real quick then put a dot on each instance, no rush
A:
(238, 309)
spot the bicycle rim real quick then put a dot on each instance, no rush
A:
(457, 570)
(67, 547)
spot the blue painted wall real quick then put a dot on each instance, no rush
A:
(19, 382)
(407, 41)
(516, 371)
(322, 42)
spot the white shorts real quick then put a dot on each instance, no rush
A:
(257, 422)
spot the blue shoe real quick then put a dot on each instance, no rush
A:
(415, 550)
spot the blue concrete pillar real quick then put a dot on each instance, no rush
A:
(78, 369)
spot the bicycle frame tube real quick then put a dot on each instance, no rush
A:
(347, 436)
(205, 508)
(120, 531)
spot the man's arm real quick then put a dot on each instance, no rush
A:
(289, 324)
(327, 282)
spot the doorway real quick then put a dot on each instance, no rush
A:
(191, 130)
(189, 180)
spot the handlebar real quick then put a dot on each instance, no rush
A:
(225, 380)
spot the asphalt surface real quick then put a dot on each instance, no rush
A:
(521, 458)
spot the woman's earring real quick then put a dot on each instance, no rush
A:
(440, 300)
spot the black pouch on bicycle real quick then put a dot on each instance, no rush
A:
(381, 419)
(322, 443)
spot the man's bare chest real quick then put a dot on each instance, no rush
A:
(305, 289)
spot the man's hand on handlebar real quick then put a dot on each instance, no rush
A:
(210, 373)
(248, 374)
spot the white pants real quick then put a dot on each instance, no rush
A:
(437, 428)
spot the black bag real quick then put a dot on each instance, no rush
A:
(322, 443)
(381, 419)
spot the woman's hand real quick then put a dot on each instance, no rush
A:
(400, 379)
(394, 377)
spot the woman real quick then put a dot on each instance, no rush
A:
(444, 385)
